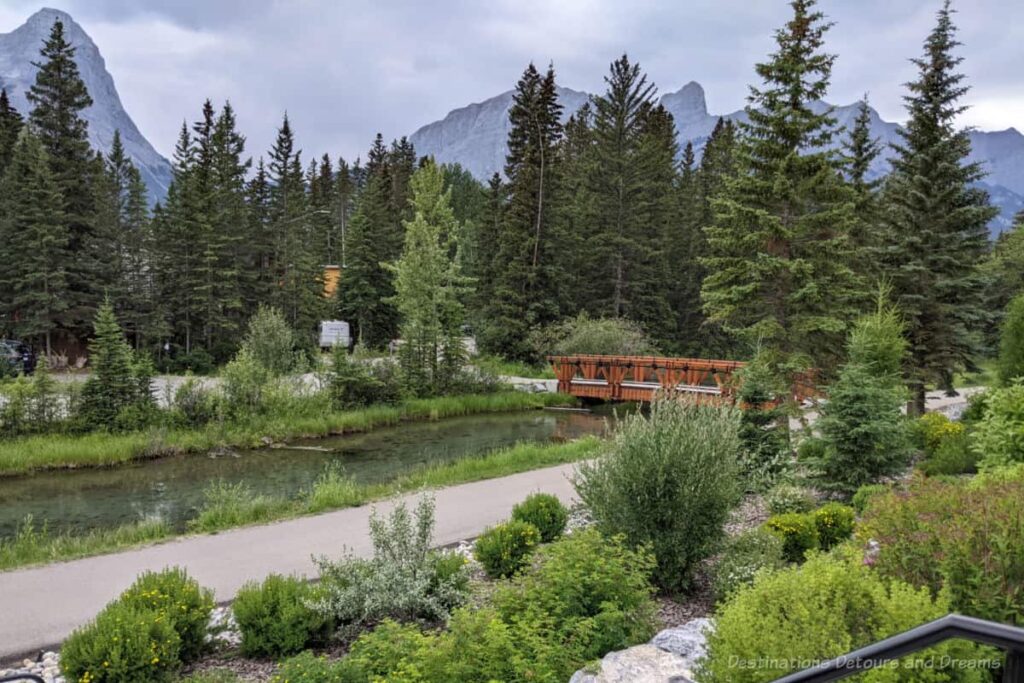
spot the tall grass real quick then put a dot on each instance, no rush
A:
(296, 419)
(512, 368)
(233, 505)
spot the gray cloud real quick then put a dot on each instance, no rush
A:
(345, 70)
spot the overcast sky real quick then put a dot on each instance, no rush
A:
(344, 70)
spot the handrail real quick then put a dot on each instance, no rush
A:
(22, 677)
(1009, 638)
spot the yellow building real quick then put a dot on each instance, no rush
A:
(332, 275)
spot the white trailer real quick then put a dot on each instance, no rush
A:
(334, 332)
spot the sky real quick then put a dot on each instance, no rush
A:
(344, 70)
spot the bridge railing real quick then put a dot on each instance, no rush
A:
(1005, 637)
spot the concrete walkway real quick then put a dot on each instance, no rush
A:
(40, 607)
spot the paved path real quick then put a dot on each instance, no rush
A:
(39, 607)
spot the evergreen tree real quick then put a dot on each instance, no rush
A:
(686, 247)
(10, 126)
(346, 187)
(260, 248)
(937, 222)
(58, 98)
(526, 284)
(33, 245)
(429, 288)
(117, 380)
(779, 269)
(324, 211)
(861, 152)
(482, 262)
(1004, 274)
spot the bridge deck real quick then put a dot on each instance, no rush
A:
(641, 378)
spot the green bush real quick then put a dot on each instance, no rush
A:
(195, 404)
(244, 382)
(1011, 343)
(953, 456)
(975, 409)
(667, 481)
(964, 536)
(834, 522)
(998, 438)
(545, 512)
(864, 495)
(274, 619)
(799, 533)
(405, 579)
(32, 405)
(378, 651)
(310, 668)
(764, 425)
(822, 609)
(505, 548)
(123, 645)
(744, 556)
(270, 341)
(789, 498)
(586, 335)
(175, 596)
(933, 429)
(353, 384)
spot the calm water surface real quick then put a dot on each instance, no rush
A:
(172, 488)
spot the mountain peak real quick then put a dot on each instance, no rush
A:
(687, 104)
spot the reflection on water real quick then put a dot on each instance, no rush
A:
(172, 488)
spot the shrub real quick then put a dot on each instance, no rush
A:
(270, 341)
(123, 645)
(352, 384)
(953, 456)
(999, 437)
(823, 609)
(405, 579)
(377, 652)
(586, 335)
(834, 522)
(864, 495)
(310, 668)
(504, 548)
(1011, 342)
(173, 595)
(744, 556)
(789, 498)
(32, 406)
(934, 429)
(975, 409)
(798, 532)
(243, 383)
(195, 404)
(667, 481)
(545, 512)
(964, 536)
(197, 361)
(273, 617)
(764, 424)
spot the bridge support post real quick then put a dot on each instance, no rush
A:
(1013, 671)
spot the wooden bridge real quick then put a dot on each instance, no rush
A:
(640, 378)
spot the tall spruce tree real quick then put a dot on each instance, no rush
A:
(527, 286)
(10, 126)
(685, 248)
(346, 187)
(779, 270)
(937, 221)
(861, 152)
(33, 245)
(58, 98)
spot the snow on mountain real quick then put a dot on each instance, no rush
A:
(475, 136)
(20, 47)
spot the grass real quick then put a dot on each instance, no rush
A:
(230, 506)
(100, 449)
(511, 368)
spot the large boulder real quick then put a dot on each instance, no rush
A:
(670, 657)
(687, 641)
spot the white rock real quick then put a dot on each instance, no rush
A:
(687, 641)
(640, 664)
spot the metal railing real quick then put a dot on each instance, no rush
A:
(1008, 638)
(22, 678)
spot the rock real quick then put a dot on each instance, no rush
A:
(686, 641)
(640, 664)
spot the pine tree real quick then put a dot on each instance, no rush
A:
(482, 263)
(33, 245)
(861, 152)
(260, 248)
(10, 126)
(937, 221)
(429, 288)
(345, 190)
(58, 98)
(779, 269)
(685, 249)
(324, 209)
(526, 285)
(116, 378)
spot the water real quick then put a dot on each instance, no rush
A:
(172, 488)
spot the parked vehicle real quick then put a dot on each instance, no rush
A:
(16, 358)
(333, 332)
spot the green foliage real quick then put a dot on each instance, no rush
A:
(862, 498)
(998, 438)
(33, 406)
(764, 424)
(933, 429)
(586, 335)
(310, 668)
(270, 341)
(785, 498)
(506, 548)
(403, 580)
(353, 384)
(965, 537)
(377, 652)
(545, 512)
(954, 455)
(799, 533)
(124, 644)
(822, 609)
(834, 522)
(194, 404)
(667, 481)
(244, 383)
(178, 599)
(273, 618)
(743, 557)
(230, 505)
